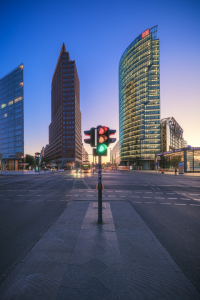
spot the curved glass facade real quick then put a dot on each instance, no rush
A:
(139, 101)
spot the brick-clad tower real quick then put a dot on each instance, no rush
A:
(65, 140)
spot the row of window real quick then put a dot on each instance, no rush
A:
(69, 122)
(68, 132)
(67, 103)
(68, 98)
(68, 126)
(68, 111)
(68, 94)
(68, 137)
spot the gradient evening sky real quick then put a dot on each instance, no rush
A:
(95, 34)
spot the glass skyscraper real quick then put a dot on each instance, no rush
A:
(139, 101)
(12, 118)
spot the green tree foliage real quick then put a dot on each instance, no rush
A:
(44, 160)
(30, 160)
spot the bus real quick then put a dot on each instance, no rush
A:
(86, 167)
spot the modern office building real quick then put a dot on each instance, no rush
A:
(12, 118)
(171, 135)
(114, 154)
(84, 154)
(139, 101)
(65, 140)
(188, 156)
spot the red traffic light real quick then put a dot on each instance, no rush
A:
(102, 129)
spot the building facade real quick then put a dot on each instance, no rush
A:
(65, 140)
(171, 135)
(139, 101)
(114, 154)
(12, 119)
(189, 157)
(84, 154)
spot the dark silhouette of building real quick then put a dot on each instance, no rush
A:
(65, 140)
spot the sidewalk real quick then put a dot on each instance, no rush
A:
(79, 259)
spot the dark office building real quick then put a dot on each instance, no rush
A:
(12, 119)
(65, 140)
(139, 101)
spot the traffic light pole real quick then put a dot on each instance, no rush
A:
(99, 193)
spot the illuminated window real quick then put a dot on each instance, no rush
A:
(10, 103)
(5, 115)
(18, 99)
(3, 105)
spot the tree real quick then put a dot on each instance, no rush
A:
(30, 160)
(44, 160)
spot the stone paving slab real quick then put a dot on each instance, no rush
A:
(79, 259)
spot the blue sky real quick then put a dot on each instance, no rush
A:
(95, 34)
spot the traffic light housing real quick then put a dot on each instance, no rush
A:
(110, 139)
(91, 134)
(102, 140)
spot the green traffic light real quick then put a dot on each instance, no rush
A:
(102, 148)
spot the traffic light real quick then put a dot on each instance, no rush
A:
(91, 134)
(102, 140)
(111, 132)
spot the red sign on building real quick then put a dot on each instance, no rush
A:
(145, 33)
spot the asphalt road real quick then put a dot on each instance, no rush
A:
(168, 204)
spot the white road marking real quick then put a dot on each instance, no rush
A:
(195, 204)
(171, 198)
(146, 197)
(165, 203)
(179, 204)
(159, 198)
(184, 199)
(194, 194)
(196, 199)
(150, 202)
